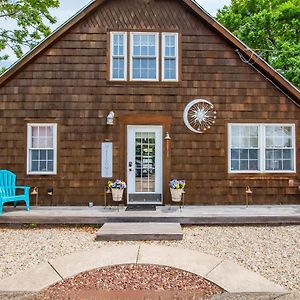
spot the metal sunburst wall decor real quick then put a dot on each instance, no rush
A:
(199, 115)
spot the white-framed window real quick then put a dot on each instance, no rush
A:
(143, 52)
(118, 55)
(256, 148)
(144, 56)
(169, 56)
(41, 149)
(279, 148)
(244, 148)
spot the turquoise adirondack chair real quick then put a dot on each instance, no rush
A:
(8, 190)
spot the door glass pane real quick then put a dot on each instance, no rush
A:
(145, 162)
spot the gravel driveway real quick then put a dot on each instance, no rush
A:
(271, 251)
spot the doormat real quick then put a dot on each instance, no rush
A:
(141, 207)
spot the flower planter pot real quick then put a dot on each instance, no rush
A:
(176, 194)
(117, 194)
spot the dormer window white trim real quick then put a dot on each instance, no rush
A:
(144, 56)
(118, 56)
(169, 56)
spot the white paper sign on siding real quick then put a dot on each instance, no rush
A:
(107, 160)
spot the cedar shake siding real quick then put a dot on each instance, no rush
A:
(68, 84)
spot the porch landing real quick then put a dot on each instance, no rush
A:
(201, 215)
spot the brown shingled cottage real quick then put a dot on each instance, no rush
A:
(146, 91)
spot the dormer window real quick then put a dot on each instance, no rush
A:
(152, 56)
(144, 56)
(170, 56)
(118, 48)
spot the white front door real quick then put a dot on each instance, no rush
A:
(144, 164)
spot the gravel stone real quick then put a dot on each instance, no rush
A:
(272, 251)
(131, 278)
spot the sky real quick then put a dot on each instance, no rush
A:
(68, 8)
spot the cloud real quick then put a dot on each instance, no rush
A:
(212, 6)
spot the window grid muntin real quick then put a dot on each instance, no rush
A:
(117, 73)
(118, 59)
(281, 149)
(146, 57)
(169, 58)
(46, 154)
(244, 149)
(145, 140)
(262, 143)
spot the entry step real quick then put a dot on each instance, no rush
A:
(139, 232)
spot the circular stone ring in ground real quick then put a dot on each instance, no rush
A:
(225, 274)
(130, 281)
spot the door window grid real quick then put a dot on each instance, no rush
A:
(118, 55)
(144, 162)
(41, 149)
(170, 56)
(144, 56)
(275, 148)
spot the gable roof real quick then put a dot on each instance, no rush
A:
(260, 65)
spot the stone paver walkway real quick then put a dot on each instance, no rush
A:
(228, 275)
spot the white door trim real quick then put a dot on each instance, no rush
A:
(131, 130)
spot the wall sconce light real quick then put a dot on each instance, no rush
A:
(168, 141)
(167, 137)
(248, 195)
(50, 193)
(110, 118)
(35, 192)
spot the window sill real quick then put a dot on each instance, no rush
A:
(41, 174)
(269, 175)
(142, 82)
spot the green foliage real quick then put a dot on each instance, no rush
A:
(271, 27)
(30, 18)
(33, 226)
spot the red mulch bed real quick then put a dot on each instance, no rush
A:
(132, 282)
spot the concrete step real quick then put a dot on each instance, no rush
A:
(139, 232)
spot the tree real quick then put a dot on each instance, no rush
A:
(29, 20)
(271, 28)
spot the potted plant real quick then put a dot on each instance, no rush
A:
(117, 188)
(176, 189)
